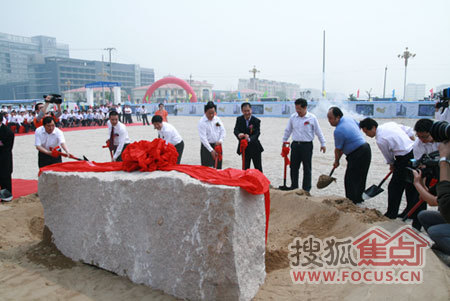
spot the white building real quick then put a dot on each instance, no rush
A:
(175, 93)
(270, 88)
(414, 92)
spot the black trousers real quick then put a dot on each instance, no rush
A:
(256, 158)
(179, 147)
(44, 160)
(206, 157)
(144, 119)
(301, 153)
(398, 185)
(6, 183)
(119, 159)
(358, 163)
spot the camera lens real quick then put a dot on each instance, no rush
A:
(440, 131)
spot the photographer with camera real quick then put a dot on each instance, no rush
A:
(442, 110)
(436, 223)
(425, 170)
(42, 110)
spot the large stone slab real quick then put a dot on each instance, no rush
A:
(163, 229)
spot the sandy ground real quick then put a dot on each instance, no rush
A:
(33, 269)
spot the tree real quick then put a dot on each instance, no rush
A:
(369, 93)
(352, 97)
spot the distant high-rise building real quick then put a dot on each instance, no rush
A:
(32, 67)
(16, 52)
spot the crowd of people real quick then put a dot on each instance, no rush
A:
(397, 143)
(21, 120)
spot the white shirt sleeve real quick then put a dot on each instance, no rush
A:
(318, 132)
(223, 132)
(384, 148)
(408, 130)
(288, 130)
(123, 139)
(202, 134)
(37, 138)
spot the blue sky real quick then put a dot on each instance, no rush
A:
(220, 41)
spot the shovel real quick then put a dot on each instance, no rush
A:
(284, 187)
(325, 180)
(375, 190)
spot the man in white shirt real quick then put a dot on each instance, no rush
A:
(144, 115)
(395, 142)
(302, 126)
(13, 122)
(212, 132)
(169, 133)
(118, 136)
(127, 114)
(119, 111)
(64, 119)
(48, 136)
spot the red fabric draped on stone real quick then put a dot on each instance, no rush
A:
(149, 156)
(284, 153)
(218, 149)
(156, 155)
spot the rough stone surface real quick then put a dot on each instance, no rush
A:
(163, 229)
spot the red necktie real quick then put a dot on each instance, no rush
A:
(111, 139)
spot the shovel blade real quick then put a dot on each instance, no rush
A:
(284, 187)
(371, 192)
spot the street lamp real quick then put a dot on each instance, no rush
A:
(254, 71)
(406, 55)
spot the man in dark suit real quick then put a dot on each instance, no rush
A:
(248, 127)
(6, 158)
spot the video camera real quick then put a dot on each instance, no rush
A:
(55, 98)
(440, 131)
(444, 97)
(428, 164)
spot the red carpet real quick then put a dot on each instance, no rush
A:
(22, 187)
(80, 128)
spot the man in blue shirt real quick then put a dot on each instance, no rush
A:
(348, 140)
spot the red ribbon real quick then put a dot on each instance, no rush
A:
(55, 152)
(284, 153)
(107, 144)
(157, 155)
(243, 145)
(218, 149)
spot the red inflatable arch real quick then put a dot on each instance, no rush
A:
(170, 80)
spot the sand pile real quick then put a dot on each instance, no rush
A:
(32, 268)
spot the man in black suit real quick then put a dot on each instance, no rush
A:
(6, 157)
(248, 127)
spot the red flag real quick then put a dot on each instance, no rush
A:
(357, 94)
(431, 91)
